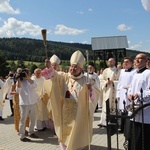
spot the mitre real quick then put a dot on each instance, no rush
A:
(55, 59)
(77, 58)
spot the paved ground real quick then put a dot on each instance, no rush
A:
(9, 140)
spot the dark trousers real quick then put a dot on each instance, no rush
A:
(127, 129)
(135, 140)
(96, 108)
(11, 106)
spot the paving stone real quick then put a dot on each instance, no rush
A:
(10, 140)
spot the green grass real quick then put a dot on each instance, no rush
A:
(25, 62)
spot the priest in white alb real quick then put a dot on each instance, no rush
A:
(109, 82)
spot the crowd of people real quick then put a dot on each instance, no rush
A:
(65, 102)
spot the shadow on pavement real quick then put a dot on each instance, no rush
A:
(8, 120)
(46, 137)
(99, 130)
(95, 147)
(96, 118)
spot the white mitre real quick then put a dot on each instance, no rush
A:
(55, 59)
(77, 58)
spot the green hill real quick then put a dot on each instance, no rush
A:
(33, 50)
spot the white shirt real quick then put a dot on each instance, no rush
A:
(124, 81)
(40, 88)
(27, 94)
(7, 88)
(141, 80)
(95, 80)
(1, 94)
(1, 89)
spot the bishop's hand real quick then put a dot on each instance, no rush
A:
(89, 86)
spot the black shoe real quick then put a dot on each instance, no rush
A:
(33, 136)
(54, 133)
(2, 119)
(120, 131)
(100, 125)
(26, 133)
(44, 129)
(96, 111)
(25, 140)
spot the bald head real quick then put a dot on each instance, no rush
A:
(37, 72)
(111, 62)
(140, 60)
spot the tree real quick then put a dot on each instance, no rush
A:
(4, 69)
(20, 64)
(13, 66)
(33, 67)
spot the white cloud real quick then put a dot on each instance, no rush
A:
(129, 42)
(146, 50)
(84, 42)
(14, 28)
(142, 46)
(90, 9)
(80, 12)
(135, 47)
(123, 27)
(63, 30)
(5, 7)
(146, 4)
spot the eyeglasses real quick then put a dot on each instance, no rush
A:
(139, 58)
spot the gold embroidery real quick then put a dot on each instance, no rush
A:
(69, 115)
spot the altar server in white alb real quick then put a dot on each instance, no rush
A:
(141, 80)
(1, 100)
(109, 82)
(42, 121)
(124, 81)
(94, 78)
(92, 75)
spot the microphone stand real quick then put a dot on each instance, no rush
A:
(88, 113)
(133, 129)
(142, 119)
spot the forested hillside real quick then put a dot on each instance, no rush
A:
(20, 50)
(34, 50)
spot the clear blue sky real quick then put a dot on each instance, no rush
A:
(77, 20)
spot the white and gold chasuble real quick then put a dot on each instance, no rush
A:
(109, 91)
(69, 104)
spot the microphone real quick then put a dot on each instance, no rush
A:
(112, 82)
(108, 80)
